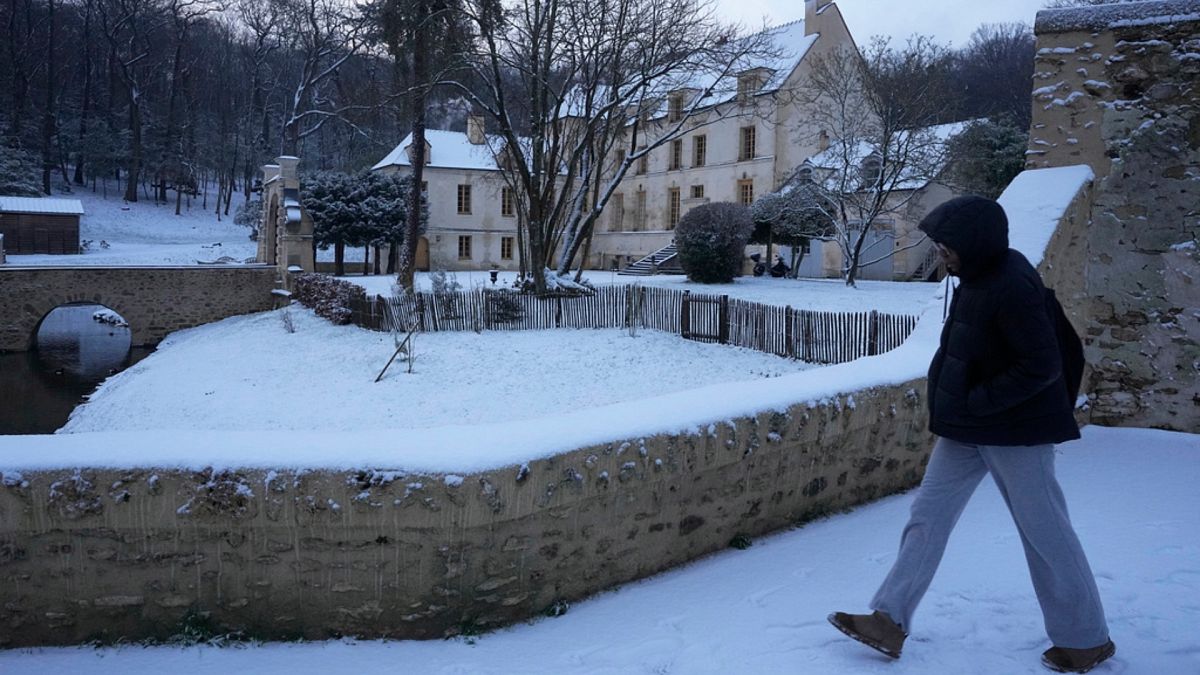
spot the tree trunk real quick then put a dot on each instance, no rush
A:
(135, 146)
(339, 258)
(412, 229)
(48, 114)
(80, 178)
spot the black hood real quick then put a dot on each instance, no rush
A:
(974, 227)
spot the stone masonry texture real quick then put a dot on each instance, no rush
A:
(105, 554)
(1126, 101)
(154, 301)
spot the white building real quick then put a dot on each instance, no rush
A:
(737, 148)
(472, 212)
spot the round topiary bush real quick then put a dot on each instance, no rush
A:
(711, 240)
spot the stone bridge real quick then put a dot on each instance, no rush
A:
(154, 300)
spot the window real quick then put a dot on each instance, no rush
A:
(697, 192)
(506, 248)
(745, 192)
(617, 204)
(676, 154)
(621, 154)
(508, 207)
(643, 161)
(675, 107)
(640, 214)
(747, 148)
(672, 207)
(699, 150)
(464, 247)
(464, 200)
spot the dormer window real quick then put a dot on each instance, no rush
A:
(750, 82)
(870, 170)
(805, 173)
(675, 107)
(412, 154)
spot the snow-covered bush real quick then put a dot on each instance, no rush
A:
(19, 173)
(250, 214)
(328, 297)
(711, 240)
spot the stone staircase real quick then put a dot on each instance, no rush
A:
(663, 261)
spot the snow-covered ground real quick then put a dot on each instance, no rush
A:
(321, 376)
(761, 611)
(142, 233)
(825, 295)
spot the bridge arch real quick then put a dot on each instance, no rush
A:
(154, 301)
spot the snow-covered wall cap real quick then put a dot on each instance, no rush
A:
(48, 205)
(1119, 15)
(470, 448)
(1036, 201)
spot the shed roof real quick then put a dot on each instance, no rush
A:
(60, 207)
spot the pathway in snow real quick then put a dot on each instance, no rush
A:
(762, 611)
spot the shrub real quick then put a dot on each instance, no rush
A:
(711, 240)
(329, 297)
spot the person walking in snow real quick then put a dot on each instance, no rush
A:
(998, 403)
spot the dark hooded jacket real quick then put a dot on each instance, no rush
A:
(997, 376)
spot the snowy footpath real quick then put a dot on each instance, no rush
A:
(1133, 497)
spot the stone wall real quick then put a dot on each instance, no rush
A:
(105, 555)
(1117, 89)
(154, 301)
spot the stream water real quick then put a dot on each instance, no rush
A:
(75, 352)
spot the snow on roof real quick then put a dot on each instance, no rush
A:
(788, 42)
(447, 150)
(1119, 15)
(66, 207)
(1035, 201)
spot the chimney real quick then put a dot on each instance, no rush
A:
(823, 141)
(811, 9)
(475, 130)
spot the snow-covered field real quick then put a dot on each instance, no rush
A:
(825, 295)
(249, 373)
(145, 234)
(762, 611)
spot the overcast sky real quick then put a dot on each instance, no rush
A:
(947, 20)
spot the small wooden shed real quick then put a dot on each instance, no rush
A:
(40, 224)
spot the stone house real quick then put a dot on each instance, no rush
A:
(472, 211)
(915, 193)
(740, 147)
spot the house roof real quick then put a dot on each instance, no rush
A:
(787, 45)
(447, 150)
(47, 205)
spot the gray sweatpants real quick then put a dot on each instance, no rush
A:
(1065, 587)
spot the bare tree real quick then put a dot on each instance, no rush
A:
(876, 109)
(324, 34)
(566, 83)
(995, 70)
(128, 26)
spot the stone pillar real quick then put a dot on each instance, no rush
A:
(295, 227)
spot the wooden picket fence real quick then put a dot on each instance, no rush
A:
(814, 337)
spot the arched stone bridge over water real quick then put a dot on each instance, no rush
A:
(154, 300)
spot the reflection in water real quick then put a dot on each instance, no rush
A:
(75, 352)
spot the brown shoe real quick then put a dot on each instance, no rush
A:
(1067, 660)
(876, 631)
